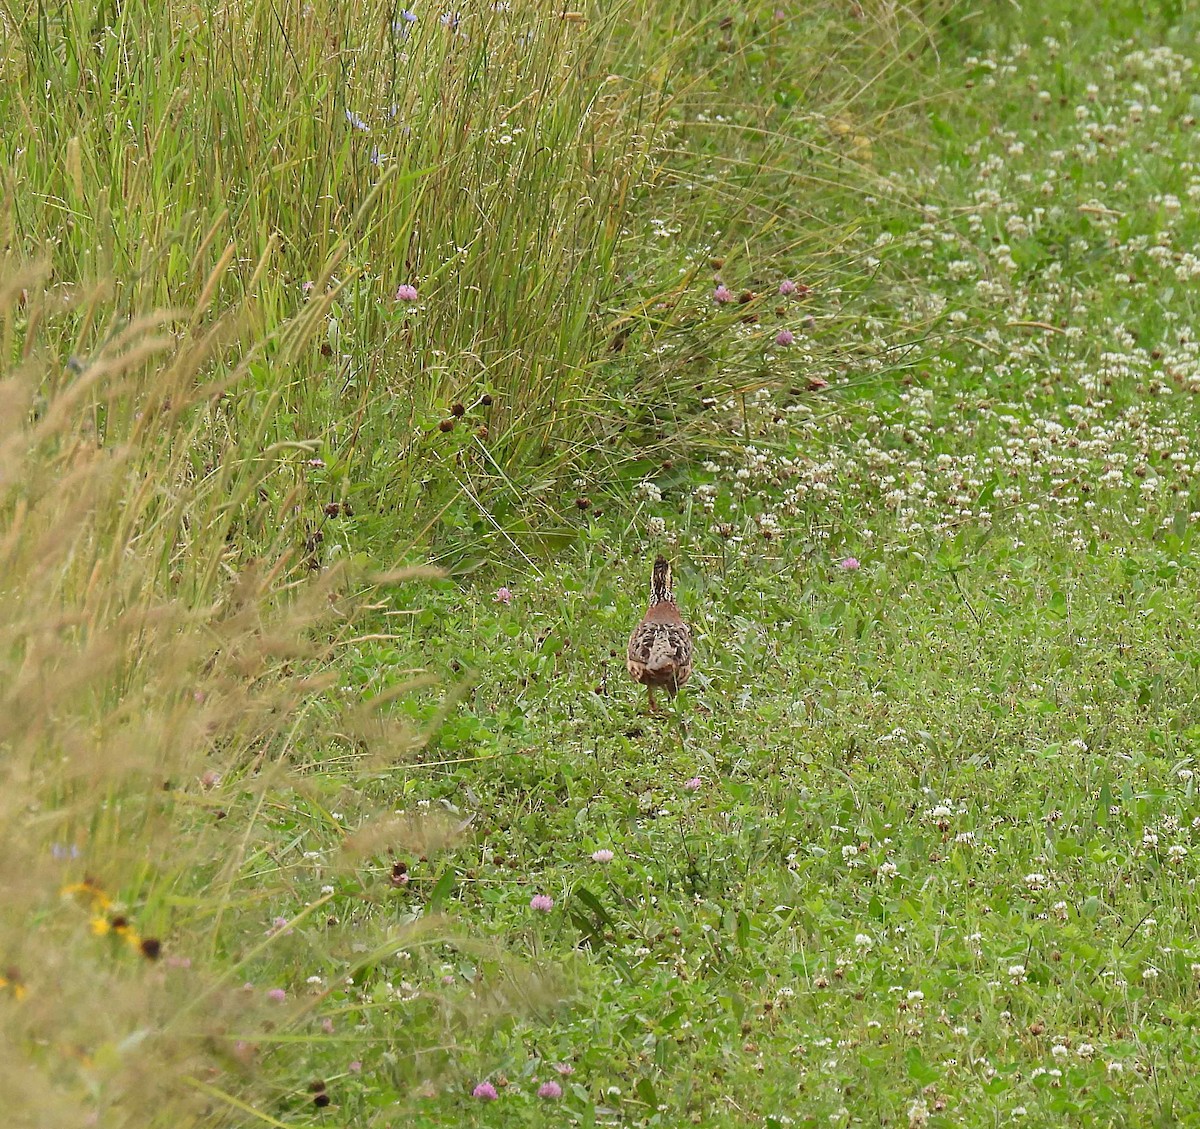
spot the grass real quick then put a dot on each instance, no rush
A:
(918, 847)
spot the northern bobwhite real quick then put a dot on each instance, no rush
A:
(660, 648)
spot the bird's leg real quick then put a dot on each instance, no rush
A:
(678, 716)
(650, 697)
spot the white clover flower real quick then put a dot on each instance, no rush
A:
(648, 490)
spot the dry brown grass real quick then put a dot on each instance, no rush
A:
(143, 658)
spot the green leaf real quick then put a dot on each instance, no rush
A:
(1103, 804)
(918, 1069)
(1180, 524)
(584, 895)
(941, 127)
(743, 930)
(441, 888)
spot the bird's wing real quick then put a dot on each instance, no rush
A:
(669, 647)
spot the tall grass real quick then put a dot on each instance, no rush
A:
(165, 648)
(138, 652)
(486, 158)
(504, 159)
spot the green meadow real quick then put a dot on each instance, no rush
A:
(357, 363)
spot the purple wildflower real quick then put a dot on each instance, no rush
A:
(786, 287)
(693, 785)
(406, 293)
(722, 294)
(503, 596)
(550, 1090)
(849, 564)
(327, 1026)
(356, 122)
(564, 1068)
(354, 1067)
(603, 855)
(276, 995)
(784, 337)
(541, 903)
(485, 1092)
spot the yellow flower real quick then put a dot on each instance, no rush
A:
(89, 889)
(100, 926)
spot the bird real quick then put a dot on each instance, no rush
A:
(660, 648)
